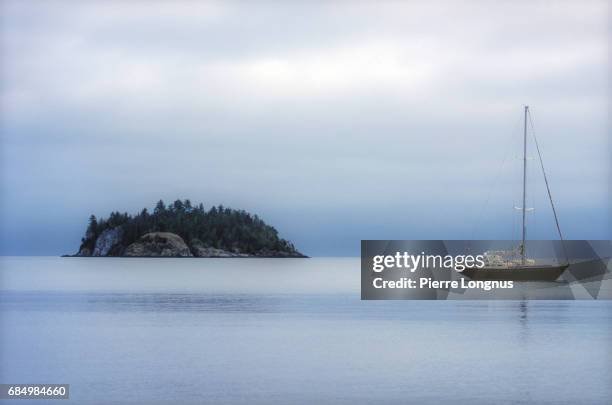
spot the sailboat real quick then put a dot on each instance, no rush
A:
(515, 265)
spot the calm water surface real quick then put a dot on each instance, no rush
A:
(285, 331)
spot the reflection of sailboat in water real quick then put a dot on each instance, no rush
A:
(514, 264)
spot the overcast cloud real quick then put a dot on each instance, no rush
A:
(334, 121)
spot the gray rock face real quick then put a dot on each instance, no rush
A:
(276, 253)
(85, 251)
(201, 251)
(158, 244)
(107, 240)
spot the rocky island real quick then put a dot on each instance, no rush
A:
(183, 230)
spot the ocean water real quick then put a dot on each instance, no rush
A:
(171, 331)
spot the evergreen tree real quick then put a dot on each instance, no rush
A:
(160, 208)
(92, 227)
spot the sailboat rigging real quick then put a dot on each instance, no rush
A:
(503, 265)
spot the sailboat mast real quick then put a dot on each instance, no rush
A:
(524, 185)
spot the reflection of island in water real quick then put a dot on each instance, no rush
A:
(184, 230)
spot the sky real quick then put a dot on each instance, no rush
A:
(333, 121)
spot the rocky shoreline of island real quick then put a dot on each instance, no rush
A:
(184, 230)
